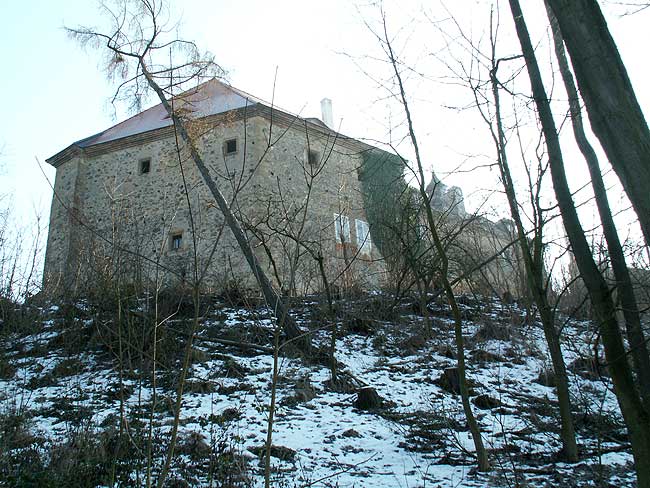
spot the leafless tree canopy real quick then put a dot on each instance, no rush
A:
(140, 33)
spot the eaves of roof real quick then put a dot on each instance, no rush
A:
(88, 148)
(315, 127)
(286, 119)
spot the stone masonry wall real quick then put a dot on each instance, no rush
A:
(296, 204)
(62, 222)
(110, 220)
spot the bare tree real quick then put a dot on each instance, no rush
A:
(624, 286)
(636, 417)
(533, 258)
(285, 220)
(141, 55)
(400, 95)
(529, 216)
(614, 112)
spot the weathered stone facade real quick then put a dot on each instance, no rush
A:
(130, 204)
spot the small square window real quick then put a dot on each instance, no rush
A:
(145, 166)
(313, 157)
(176, 241)
(230, 146)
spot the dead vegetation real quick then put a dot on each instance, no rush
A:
(114, 429)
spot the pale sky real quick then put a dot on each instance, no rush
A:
(55, 93)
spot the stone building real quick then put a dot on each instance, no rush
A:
(129, 203)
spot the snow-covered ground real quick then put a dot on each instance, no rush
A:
(418, 438)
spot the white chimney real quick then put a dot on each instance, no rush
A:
(326, 111)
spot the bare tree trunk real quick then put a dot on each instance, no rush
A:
(481, 452)
(331, 315)
(269, 424)
(534, 266)
(624, 288)
(614, 112)
(634, 414)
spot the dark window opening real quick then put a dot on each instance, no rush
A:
(176, 241)
(313, 157)
(230, 146)
(145, 166)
